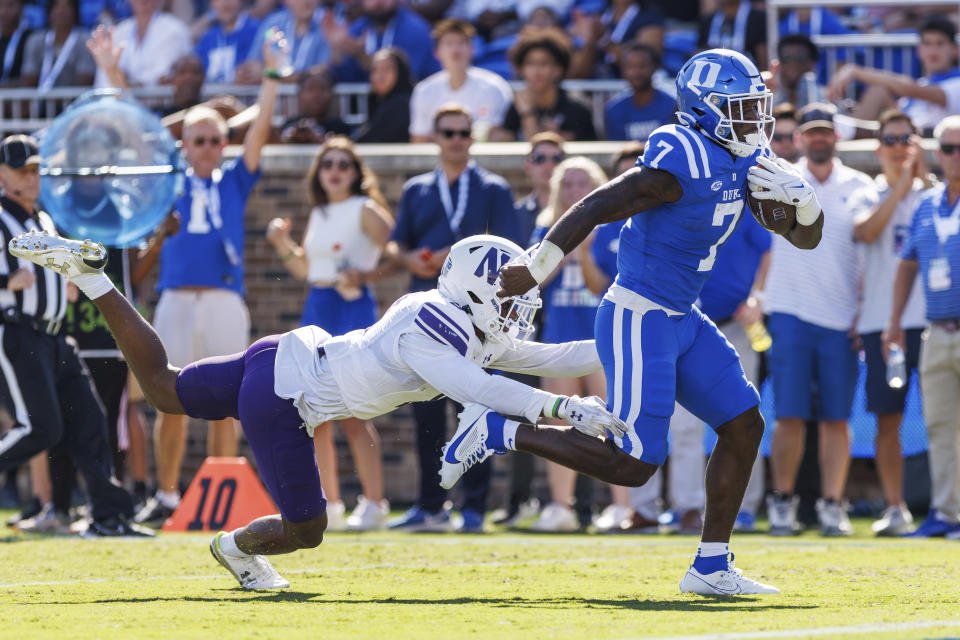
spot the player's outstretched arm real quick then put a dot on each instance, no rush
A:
(637, 190)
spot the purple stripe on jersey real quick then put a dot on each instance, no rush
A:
(427, 331)
(452, 322)
(442, 329)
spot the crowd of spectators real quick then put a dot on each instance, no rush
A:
(440, 71)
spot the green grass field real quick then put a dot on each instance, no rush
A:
(500, 585)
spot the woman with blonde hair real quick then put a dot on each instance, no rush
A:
(570, 309)
(348, 227)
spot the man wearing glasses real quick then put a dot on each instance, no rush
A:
(455, 200)
(932, 250)
(795, 71)
(882, 229)
(782, 142)
(201, 312)
(546, 152)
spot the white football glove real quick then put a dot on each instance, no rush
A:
(778, 180)
(781, 181)
(590, 416)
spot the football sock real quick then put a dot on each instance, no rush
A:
(93, 285)
(711, 557)
(501, 433)
(228, 545)
(169, 499)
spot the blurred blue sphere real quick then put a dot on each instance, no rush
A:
(109, 170)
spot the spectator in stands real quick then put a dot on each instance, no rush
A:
(201, 312)
(483, 93)
(816, 21)
(812, 302)
(570, 308)
(14, 34)
(541, 58)
(739, 26)
(783, 141)
(314, 121)
(546, 152)
(635, 115)
(186, 76)
(882, 231)
(228, 41)
(600, 37)
(58, 57)
(147, 44)
(308, 46)
(384, 23)
(391, 86)
(437, 209)
(347, 229)
(932, 250)
(926, 101)
(793, 71)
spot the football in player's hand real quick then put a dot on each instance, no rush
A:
(778, 217)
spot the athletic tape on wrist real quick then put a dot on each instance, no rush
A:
(545, 260)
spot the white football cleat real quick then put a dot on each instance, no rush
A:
(468, 447)
(69, 258)
(727, 582)
(253, 572)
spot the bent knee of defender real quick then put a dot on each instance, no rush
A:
(308, 535)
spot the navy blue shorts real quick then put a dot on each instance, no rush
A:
(328, 310)
(803, 353)
(881, 398)
(241, 386)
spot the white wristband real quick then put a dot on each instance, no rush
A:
(551, 405)
(808, 213)
(545, 260)
(93, 285)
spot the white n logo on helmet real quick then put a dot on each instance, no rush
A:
(712, 73)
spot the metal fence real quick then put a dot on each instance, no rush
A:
(29, 110)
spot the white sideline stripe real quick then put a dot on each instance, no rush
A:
(369, 567)
(882, 627)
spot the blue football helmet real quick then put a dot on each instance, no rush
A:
(721, 92)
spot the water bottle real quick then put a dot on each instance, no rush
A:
(760, 339)
(280, 51)
(896, 367)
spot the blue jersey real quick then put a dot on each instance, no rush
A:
(606, 245)
(624, 120)
(208, 249)
(736, 269)
(667, 253)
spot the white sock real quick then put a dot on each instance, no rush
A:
(510, 434)
(711, 549)
(93, 285)
(169, 499)
(228, 545)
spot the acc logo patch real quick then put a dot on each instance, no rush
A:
(779, 213)
(716, 186)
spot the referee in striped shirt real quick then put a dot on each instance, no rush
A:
(47, 389)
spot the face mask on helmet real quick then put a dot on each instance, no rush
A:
(722, 93)
(470, 279)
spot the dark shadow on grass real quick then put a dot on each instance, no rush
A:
(681, 603)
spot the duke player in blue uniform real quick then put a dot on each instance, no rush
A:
(684, 199)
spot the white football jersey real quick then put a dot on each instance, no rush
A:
(422, 348)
